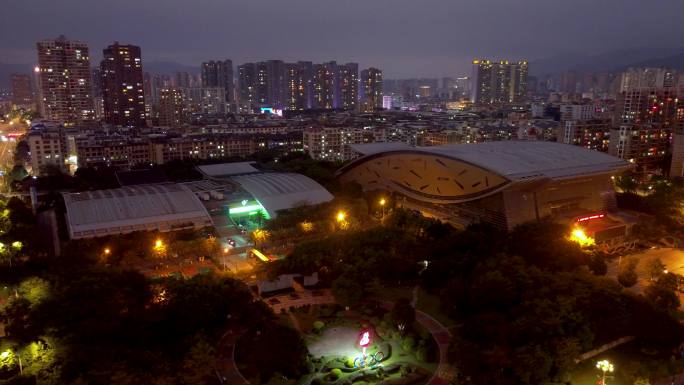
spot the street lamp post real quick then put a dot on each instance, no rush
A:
(382, 209)
(341, 219)
(341, 216)
(606, 367)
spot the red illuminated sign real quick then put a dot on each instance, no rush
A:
(590, 217)
(364, 339)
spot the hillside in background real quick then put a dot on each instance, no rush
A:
(610, 61)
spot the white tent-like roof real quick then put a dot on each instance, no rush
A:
(279, 191)
(162, 207)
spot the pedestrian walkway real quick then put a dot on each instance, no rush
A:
(226, 370)
(445, 372)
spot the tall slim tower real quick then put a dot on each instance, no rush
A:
(297, 86)
(482, 81)
(247, 79)
(276, 83)
(65, 84)
(219, 74)
(123, 91)
(371, 89)
(325, 77)
(348, 86)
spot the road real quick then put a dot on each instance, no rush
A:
(7, 147)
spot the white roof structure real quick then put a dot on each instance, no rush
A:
(279, 191)
(227, 169)
(162, 207)
(516, 159)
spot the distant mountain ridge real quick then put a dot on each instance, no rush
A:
(609, 61)
(6, 69)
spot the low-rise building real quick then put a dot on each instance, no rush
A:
(645, 145)
(591, 134)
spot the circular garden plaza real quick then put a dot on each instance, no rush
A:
(390, 344)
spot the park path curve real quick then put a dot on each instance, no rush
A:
(226, 369)
(442, 336)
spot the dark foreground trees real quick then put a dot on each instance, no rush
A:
(527, 303)
(99, 326)
(530, 305)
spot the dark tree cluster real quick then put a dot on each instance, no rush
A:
(110, 326)
(528, 304)
(351, 261)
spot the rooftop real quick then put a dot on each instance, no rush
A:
(516, 159)
(227, 169)
(132, 208)
(279, 191)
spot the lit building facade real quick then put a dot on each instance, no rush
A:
(247, 87)
(371, 94)
(324, 83)
(171, 107)
(499, 82)
(592, 134)
(645, 145)
(123, 92)
(333, 143)
(219, 74)
(64, 81)
(348, 87)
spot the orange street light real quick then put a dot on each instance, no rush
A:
(341, 216)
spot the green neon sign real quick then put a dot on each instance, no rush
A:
(244, 209)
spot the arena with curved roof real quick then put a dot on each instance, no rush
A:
(504, 183)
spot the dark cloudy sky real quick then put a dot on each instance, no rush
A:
(403, 37)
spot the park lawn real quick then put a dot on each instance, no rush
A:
(427, 303)
(394, 293)
(305, 319)
(430, 304)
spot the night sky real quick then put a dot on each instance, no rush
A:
(403, 37)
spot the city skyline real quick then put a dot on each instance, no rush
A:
(406, 40)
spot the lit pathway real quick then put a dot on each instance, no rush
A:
(226, 370)
(442, 336)
(440, 333)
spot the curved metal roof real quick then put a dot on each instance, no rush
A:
(133, 208)
(278, 191)
(514, 160)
